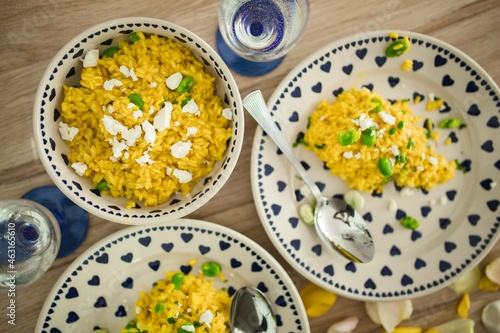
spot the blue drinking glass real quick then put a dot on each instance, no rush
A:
(254, 35)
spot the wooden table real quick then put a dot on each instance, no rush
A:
(33, 31)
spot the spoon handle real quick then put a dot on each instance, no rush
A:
(257, 108)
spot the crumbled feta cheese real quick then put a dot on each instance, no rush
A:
(192, 130)
(375, 150)
(151, 109)
(393, 161)
(137, 114)
(393, 206)
(173, 81)
(409, 132)
(395, 150)
(431, 97)
(149, 132)
(162, 118)
(125, 71)
(443, 200)
(407, 192)
(117, 146)
(176, 123)
(347, 154)
(126, 155)
(137, 309)
(381, 132)
(387, 118)
(91, 58)
(79, 168)
(131, 135)
(112, 125)
(227, 113)
(111, 109)
(180, 149)
(423, 156)
(357, 155)
(131, 105)
(183, 176)
(103, 108)
(433, 160)
(132, 75)
(67, 133)
(144, 159)
(191, 107)
(113, 159)
(206, 317)
(110, 84)
(153, 84)
(188, 310)
(168, 171)
(365, 122)
(420, 168)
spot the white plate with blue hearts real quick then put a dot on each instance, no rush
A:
(99, 289)
(459, 220)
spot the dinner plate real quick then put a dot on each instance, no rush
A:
(100, 288)
(459, 220)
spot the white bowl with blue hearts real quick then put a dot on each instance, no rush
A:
(100, 288)
(65, 69)
(459, 220)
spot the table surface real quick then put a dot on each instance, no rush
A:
(33, 31)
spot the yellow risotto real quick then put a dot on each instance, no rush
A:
(188, 305)
(367, 141)
(145, 122)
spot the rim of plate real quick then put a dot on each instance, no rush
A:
(290, 78)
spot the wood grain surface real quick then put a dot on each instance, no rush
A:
(33, 31)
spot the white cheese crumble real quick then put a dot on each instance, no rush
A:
(357, 155)
(433, 160)
(420, 168)
(137, 114)
(387, 118)
(137, 309)
(162, 118)
(395, 150)
(381, 132)
(79, 168)
(173, 81)
(347, 154)
(125, 71)
(149, 132)
(431, 97)
(191, 107)
(407, 192)
(192, 130)
(151, 109)
(168, 171)
(206, 317)
(67, 133)
(117, 146)
(91, 58)
(110, 84)
(176, 123)
(153, 84)
(393, 206)
(227, 113)
(443, 200)
(144, 159)
(131, 105)
(131, 135)
(365, 122)
(132, 75)
(187, 327)
(111, 109)
(112, 125)
(180, 149)
(183, 176)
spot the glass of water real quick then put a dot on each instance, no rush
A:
(34, 230)
(255, 35)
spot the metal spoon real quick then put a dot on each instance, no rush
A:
(251, 312)
(337, 223)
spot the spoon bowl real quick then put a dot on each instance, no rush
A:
(338, 225)
(251, 312)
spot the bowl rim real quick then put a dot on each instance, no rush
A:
(195, 201)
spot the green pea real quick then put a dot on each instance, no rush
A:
(385, 166)
(369, 136)
(159, 307)
(392, 131)
(187, 83)
(348, 137)
(110, 52)
(409, 222)
(134, 37)
(211, 268)
(177, 280)
(429, 126)
(378, 101)
(102, 186)
(137, 100)
(450, 123)
(401, 124)
(396, 48)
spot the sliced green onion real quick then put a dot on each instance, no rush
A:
(187, 83)
(102, 186)
(319, 146)
(410, 143)
(184, 102)
(134, 37)
(171, 320)
(369, 136)
(159, 307)
(396, 48)
(409, 222)
(378, 101)
(348, 137)
(177, 280)
(306, 213)
(385, 166)
(211, 268)
(450, 123)
(110, 52)
(196, 324)
(354, 199)
(137, 100)
(429, 126)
